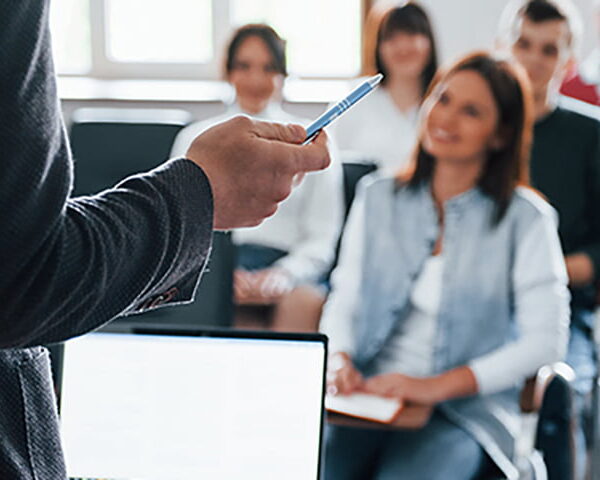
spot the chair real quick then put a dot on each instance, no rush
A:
(110, 144)
(550, 395)
(353, 172)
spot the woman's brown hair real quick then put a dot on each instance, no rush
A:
(507, 166)
(382, 22)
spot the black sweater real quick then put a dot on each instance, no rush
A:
(565, 167)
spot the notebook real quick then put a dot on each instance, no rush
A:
(188, 404)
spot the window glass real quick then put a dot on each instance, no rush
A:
(323, 38)
(71, 41)
(159, 31)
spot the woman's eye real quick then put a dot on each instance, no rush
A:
(471, 111)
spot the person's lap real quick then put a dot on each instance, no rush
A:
(439, 450)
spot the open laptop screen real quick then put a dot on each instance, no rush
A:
(221, 405)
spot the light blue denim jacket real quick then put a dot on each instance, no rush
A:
(490, 282)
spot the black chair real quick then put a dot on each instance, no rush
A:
(110, 144)
(550, 395)
(353, 172)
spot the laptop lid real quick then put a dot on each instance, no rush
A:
(193, 404)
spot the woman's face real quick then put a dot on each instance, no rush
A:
(405, 54)
(460, 119)
(253, 75)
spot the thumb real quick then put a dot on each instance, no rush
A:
(290, 133)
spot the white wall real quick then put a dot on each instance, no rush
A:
(464, 25)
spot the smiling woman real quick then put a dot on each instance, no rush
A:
(422, 312)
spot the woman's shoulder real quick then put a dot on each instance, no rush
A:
(385, 186)
(528, 204)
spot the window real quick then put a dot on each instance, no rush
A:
(71, 38)
(177, 31)
(323, 38)
(185, 38)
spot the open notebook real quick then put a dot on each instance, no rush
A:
(193, 404)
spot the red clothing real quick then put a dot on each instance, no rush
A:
(575, 87)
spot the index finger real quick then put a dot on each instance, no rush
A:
(290, 133)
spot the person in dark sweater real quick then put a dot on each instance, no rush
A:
(565, 166)
(70, 265)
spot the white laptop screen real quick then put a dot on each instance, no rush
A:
(178, 407)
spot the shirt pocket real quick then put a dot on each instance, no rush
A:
(40, 417)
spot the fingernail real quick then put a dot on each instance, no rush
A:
(332, 390)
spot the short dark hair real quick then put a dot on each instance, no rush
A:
(382, 22)
(274, 43)
(539, 11)
(508, 166)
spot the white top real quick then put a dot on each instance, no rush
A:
(376, 130)
(307, 223)
(337, 318)
(410, 349)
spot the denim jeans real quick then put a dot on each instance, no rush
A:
(440, 450)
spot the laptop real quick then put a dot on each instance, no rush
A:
(188, 404)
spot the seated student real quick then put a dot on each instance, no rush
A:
(565, 166)
(451, 287)
(398, 42)
(282, 261)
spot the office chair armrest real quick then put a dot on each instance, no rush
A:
(534, 388)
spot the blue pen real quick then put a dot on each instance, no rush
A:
(330, 115)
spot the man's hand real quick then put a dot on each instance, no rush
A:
(251, 166)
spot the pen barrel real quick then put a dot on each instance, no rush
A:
(337, 110)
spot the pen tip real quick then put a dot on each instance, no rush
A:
(375, 80)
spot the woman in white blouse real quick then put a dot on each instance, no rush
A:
(282, 262)
(398, 42)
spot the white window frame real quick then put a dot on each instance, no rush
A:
(104, 68)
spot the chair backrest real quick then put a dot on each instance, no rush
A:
(353, 172)
(110, 144)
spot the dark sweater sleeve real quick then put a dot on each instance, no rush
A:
(69, 265)
(592, 248)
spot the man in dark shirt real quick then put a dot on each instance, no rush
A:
(565, 167)
(69, 265)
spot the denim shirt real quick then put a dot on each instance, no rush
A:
(497, 280)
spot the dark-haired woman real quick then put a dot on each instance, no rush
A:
(282, 261)
(398, 42)
(451, 287)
